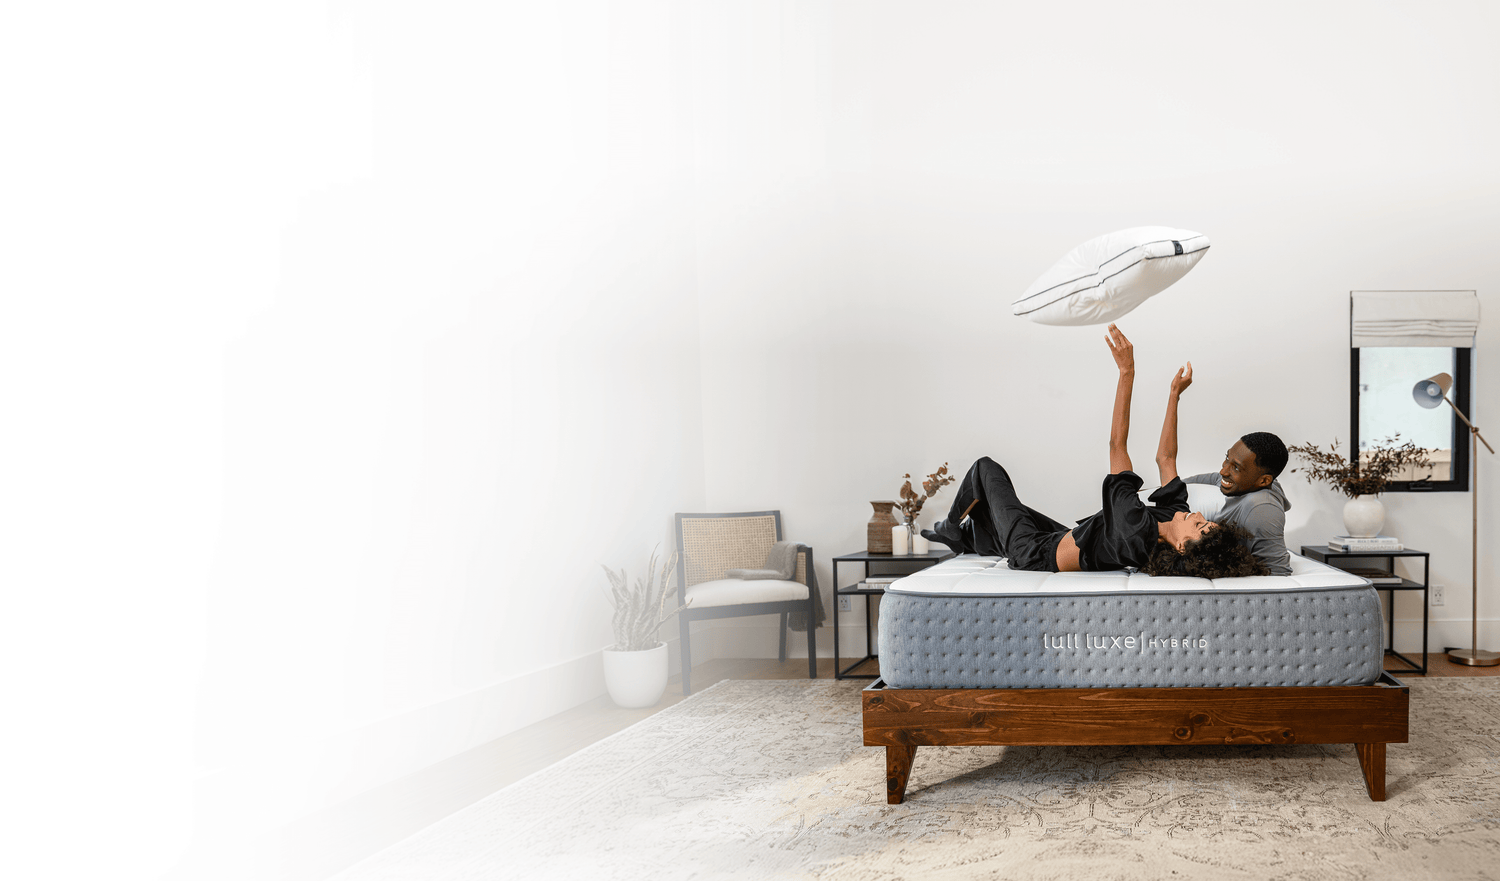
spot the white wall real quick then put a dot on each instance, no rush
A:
(968, 145)
(511, 400)
(344, 343)
(349, 343)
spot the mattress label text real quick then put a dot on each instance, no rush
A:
(1072, 642)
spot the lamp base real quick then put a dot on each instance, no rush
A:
(1474, 657)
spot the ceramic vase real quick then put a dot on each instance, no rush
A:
(878, 532)
(636, 679)
(1363, 516)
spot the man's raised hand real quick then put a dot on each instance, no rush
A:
(1183, 379)
(1121, 348)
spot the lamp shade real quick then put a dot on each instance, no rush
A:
(1429, 392)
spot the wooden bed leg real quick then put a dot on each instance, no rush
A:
(1372, 762)
(898, 761)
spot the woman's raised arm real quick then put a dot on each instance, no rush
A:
(1166, 450)
(1119, 426)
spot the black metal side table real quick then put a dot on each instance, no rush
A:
(865, 558)
(1333, 558)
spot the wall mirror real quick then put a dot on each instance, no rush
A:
(1398, 338)
(1381, 406)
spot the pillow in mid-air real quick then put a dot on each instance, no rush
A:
(1104, 278)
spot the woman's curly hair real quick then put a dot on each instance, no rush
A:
(1222, 552)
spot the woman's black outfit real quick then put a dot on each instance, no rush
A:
(1123, 533)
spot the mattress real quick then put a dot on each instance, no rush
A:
(972, 622)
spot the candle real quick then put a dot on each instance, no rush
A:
(919, 545)
(898, 539)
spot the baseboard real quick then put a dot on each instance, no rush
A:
(749, 638)
(1445, 632)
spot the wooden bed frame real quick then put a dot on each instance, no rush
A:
(902, 719)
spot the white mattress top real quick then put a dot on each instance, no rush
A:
(973, 575)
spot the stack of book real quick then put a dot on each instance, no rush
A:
(1377, 577)
(1376, 544)
(881, 582)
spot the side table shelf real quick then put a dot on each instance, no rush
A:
(865, 558)
(1333, 558)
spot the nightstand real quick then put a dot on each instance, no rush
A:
(865, 558)
(1333, 558)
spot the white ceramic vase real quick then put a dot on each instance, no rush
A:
(1363, 516)
(636, 679)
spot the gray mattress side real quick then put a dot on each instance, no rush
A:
(1123, 640)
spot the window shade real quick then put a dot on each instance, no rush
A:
(1413, 318)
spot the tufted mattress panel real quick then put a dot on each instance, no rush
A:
(971, 622)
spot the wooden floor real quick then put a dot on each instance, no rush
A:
(436, 792)
(1439, 665)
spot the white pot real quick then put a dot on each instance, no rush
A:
(636, 679)
(1363, 516)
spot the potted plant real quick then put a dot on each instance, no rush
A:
(635, 668)
(1363, 478)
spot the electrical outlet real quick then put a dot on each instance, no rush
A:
(1439, 595)
(846, 604)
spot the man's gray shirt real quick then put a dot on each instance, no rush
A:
(1262, 513)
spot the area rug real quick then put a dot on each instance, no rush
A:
(769, 779)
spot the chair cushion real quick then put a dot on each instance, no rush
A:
(1104, 278)
(735, 591)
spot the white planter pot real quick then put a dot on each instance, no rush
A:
(636, 679)
(1363, 516)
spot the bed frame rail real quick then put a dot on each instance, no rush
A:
(1367, 716)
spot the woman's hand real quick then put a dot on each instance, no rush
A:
(1182, 380)
(1121, 348)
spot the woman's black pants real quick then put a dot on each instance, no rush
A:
(1001, 525)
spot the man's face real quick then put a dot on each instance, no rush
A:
(1240, 474)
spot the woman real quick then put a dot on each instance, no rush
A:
(1161, 538)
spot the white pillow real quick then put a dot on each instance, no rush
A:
(1104, 278)
(1203, 498)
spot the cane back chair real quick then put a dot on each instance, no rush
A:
(710, 545)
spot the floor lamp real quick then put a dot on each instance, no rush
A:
(1429, 393)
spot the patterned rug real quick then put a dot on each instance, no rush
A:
(769, 779)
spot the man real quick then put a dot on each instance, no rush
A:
(1253, 500)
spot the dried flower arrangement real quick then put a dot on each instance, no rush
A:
(911, 503)
(1385, 460)
(638, 610)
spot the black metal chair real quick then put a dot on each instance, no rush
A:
(710, 545)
